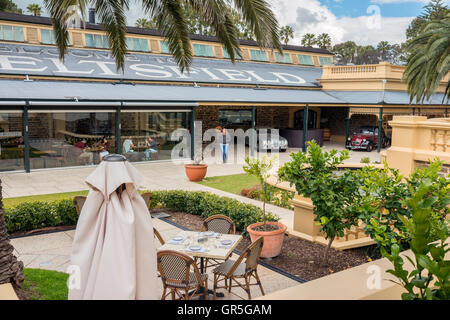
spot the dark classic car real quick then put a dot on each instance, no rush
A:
(367, 139)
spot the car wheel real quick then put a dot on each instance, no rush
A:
(369, 148)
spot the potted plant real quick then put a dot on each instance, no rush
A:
(196, 171)
(272, 232)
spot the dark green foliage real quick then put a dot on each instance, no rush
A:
(207, 204)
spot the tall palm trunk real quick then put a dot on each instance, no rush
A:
(11, 270)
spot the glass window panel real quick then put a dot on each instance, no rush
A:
(130, 44)
(89, 40)
(235, 117)
(203, 50)
(11, 141)
(144, 45)
(66, 139)
(258, 55)
(18, 34)
(164, 47)
(227, 55)
(137, 44)
(46, 36)
(146, 135)
(304, 59)
(98, 41)
(283, 58)
(8, 33)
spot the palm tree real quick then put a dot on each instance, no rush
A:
(308, 40)
(170, 19)
(142, 23)
(429, 61)
(11, 270)
(384, 50)
(323, 40)
(286, 33)
(35, 9)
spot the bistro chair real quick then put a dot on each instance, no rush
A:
(230, 271)
(181, 276)
(158, 235)
(147, 198)
(79, 201)
(220, 224)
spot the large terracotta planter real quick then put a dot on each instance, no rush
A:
(273, 240)
(196, 172)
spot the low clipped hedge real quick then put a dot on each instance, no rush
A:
(206, 204)
(34, 215)
(29, 216)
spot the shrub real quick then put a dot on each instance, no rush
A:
(66, 211)
(365, 160)
(206, 204)
(31, 215)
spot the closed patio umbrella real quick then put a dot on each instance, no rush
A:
(113, 248)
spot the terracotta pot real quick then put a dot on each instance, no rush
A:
(273, 240)
(196, 172)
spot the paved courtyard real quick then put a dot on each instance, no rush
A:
(52, 252)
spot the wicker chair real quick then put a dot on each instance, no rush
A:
(158, 235)
(230, 271)
(147, 198)
(176, 275)
(220, 224)
(79, 201)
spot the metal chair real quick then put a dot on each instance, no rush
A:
(176, 275)
(79, 201)
(231, 270)
(220, 224)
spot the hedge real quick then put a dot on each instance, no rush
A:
(29, 216)
(206, 204)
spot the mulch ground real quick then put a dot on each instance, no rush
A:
(298, 257)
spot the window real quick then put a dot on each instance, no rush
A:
(258, 55)
(12, 148)
(202, 50)
(137, 44)
(307, 60)
(325, 61)
(164, 47)
(227, 55)
(283, 58)
(235, 117)
(48, 37)
(11, 33)
(96, 41)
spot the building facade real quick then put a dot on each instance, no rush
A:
(57, 113)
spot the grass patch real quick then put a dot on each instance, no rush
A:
(232, 184)
(12, 202)
(45, 284)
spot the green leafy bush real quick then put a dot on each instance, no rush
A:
(31, 215)
(206, 204)
(427, 234)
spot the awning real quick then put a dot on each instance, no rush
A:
(99, 91)
(383, 97)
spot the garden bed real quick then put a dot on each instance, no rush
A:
(298, 257)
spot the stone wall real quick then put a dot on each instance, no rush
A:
(445, 171)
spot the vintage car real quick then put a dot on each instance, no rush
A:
(366, 138)
(265, 141)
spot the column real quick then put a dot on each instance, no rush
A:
(380, 127)
(305, 126)
(251, 144)
(347, 126)
(26, 139)
(118, 129)
(193, 133)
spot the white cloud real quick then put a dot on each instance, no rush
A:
(310, 16)
(398, 1)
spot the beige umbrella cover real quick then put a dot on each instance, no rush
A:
(114, 248)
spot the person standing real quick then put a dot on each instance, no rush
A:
(225, 143)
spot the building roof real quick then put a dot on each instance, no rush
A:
(17, 59)
(150, 32)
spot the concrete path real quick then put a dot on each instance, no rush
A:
(52, 252)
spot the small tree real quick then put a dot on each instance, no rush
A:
(315, 175)
(261, 169)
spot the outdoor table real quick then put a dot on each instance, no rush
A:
(214, 250)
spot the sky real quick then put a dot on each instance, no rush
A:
(367, 22)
